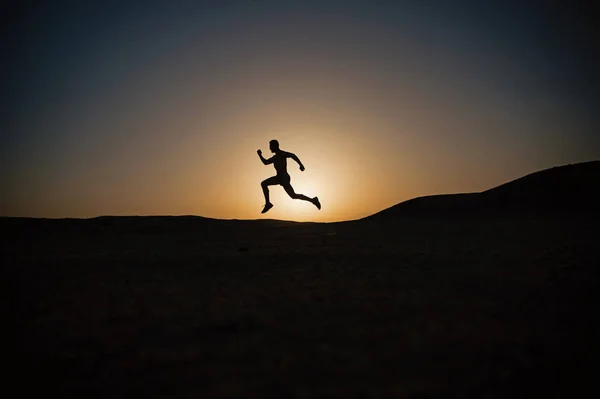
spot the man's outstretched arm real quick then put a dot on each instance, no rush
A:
(295, 158)
(263, 159)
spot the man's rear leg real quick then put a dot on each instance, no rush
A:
(290, 190)
(316, 202)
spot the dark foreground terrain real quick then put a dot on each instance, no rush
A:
(483, 306)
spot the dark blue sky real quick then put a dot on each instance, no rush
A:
(513, 82)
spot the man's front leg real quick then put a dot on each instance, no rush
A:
(265, 189)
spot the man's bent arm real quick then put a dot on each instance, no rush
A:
(264, 160)
(295, 158)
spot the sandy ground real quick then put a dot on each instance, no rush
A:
(483, 307)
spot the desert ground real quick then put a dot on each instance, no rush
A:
(482, 306)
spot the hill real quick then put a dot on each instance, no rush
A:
(565, 188)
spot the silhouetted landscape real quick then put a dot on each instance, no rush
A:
(483, 295)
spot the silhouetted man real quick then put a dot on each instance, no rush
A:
(279, 160)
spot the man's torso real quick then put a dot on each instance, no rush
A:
(280, 163)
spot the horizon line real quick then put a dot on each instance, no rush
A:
(295, 221)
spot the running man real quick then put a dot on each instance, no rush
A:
(279, 160)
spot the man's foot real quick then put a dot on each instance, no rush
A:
(268, 206)
(316, 202)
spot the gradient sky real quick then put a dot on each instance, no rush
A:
(158, 108)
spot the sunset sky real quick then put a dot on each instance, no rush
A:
(158, 107)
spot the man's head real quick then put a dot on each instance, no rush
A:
(274, 146)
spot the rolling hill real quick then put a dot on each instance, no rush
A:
(567, 188)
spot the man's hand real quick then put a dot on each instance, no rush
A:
(302, 168)
(259, 152)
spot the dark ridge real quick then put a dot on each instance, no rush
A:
(19, 226)
(568, 188)
(571, 187)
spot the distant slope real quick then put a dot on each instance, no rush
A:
(573, 187)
